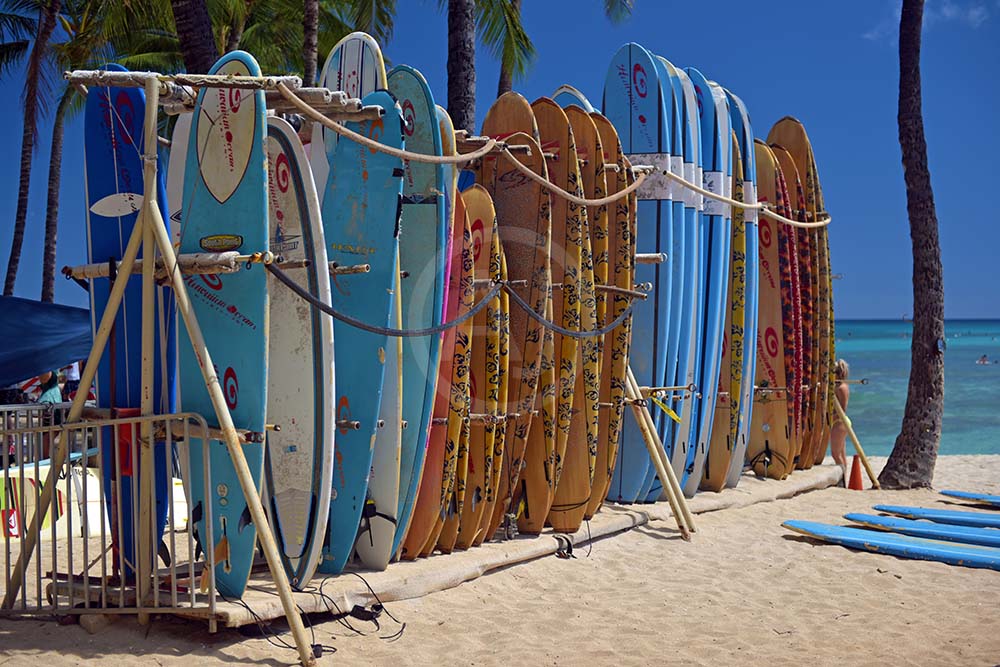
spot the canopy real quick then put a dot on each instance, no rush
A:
(36, 337)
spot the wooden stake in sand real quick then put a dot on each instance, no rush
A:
(857, 444)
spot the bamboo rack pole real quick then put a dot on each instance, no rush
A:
(666, 473)
(75, 410)
(857, 444)
(231, 438)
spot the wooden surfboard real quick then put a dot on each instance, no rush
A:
(574, 478)
(361, 225)
(298, 458)
(226, 202)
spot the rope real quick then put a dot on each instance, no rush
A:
(760, 206)
(382, 331)
(556, 190)
(312, 113)
(569, 332)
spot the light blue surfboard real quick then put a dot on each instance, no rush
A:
(716, 143)
(984, 498)
(423, 244)
(225, 201)
(956, 517)
(113, 144)
(987, 537)
(567, 95)
(634, 103)
(744, 135)
(361, 217)
(903, 546)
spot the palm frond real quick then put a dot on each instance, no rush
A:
(618, 10)
(503, 35)
(374, 17)
(11, 55)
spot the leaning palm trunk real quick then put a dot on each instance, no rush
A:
(194, 31)
(45, 27)
(52, 211)
(911, 463)
(310, 32)
(462, 64)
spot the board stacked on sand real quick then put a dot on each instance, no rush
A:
(423, 243)
(956, 517)
(301, 396)
(982, 498)
(225, 202)
(574, 474)
(488, 374)
(524, 219)
(361, 224)
(987, 537)
(113, 143)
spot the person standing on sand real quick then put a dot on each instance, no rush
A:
(838, 433)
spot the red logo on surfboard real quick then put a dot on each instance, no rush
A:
(771, 341)
(477, 238)
(639, 80)
(409, 118)
(343, 413)
(230, 388)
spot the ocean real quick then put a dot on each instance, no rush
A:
(879, 350)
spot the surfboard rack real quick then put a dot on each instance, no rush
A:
(348, 424)
(206, 263)
(486, 283)
(348, 269)
(650, 258)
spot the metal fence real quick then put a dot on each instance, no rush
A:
(112, 541)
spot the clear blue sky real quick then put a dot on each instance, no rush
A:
(832, 65)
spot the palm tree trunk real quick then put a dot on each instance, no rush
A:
(462, 64)
(52, 212)
(194, 30)
(235, 35)
(506, 82)
(310, 32)
(46, 25)
(914, 454)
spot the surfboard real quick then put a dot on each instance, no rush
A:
(977, 497)
(903, 546)
(451, 400)
(298, 464)
(226, 208)
(769, 449)
(566, 96)
(487, 371)
(113, 145)
(355, 66)
(361, 225)
(573, 478)
(614, 363)
(956, 517)
(524, 219)
(180, 138)
(423, 243)
(716, 147)
(727, 408)
(987, 537)
(744, 132)
(634, 103)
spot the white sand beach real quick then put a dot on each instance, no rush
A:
(743, 591)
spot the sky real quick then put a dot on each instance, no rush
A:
(834, 66)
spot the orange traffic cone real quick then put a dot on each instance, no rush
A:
(855, 482)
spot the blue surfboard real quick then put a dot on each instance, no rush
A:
(903, 546)
(113, 144)
(225, 201)
(715, 142)
(987, 537)
(567, 95)
(423, 244)
(744, 135)
(634, 103)
(984, 498)
(956, 517)
(361, 213)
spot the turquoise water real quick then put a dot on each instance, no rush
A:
(880, 351)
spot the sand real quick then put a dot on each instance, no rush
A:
(743, 591)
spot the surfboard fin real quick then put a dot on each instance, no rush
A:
(246, 519)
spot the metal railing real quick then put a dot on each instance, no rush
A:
(103, 517)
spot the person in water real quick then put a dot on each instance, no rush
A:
(838, 434)
(983, 360)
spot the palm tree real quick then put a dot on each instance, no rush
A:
(462, 64)
(914, 453)
(310, 30)
(33, 80)
(194, 30)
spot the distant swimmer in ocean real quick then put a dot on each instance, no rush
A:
(838, 433)
(983, 361)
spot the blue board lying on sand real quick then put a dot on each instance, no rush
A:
(966, 555)
(225, 201)
(956, 517)
(987, 537)
(113, 143)
(984, 498)
(361, 226)
(634, 104)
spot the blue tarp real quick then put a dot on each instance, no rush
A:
(37, 337)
